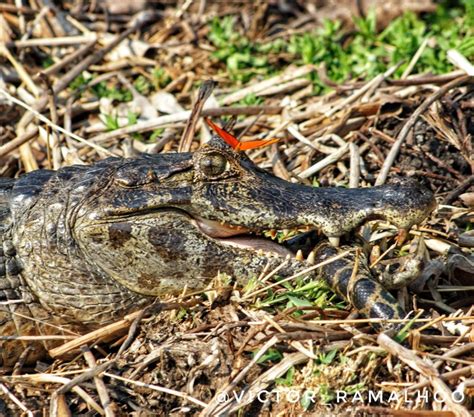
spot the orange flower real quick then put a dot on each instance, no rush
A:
(234, 142)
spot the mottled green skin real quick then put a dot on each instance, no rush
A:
(88, 244)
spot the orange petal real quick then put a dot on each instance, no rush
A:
(234, 142)
(228, 138)
(253, 144)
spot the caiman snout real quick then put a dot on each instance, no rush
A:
(246, 198)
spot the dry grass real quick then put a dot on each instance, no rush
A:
(189, 354)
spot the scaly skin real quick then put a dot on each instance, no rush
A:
(85, 245)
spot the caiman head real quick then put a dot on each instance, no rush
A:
(158, 224)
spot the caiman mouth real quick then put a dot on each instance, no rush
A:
(265, 240)
(245, 238)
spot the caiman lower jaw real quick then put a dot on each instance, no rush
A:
(240, 237)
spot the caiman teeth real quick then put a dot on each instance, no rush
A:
(311, 258)
(334, 241)
(299, 255)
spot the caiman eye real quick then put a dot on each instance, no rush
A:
(213, 164)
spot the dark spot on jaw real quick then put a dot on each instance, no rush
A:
(119, 233)
(168, 244)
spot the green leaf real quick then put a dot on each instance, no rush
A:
(298, 302)
(132, 118)
(271, 355)
(307, 400)
(287, 380)
(111, 122)
(326, 359)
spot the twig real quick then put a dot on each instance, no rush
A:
(224, 393)
(370, 86)
(21, 71)
(38, 338)
(18, 141)
(181, 117)
(67, 78)
(415, 59)
(426, 368)
(265, 380)
(354, 174)
(85, 376)
(459, 190)
(325, 162)
(112, 329)
(460, 61)
(106, 331)
(33, 25)
(285, 87)
(52, 138)
(15, 400)
(59, 41)
(296, 133)
(53, 125)
(84, 49)
(288, 75)
(158, 388)
(427, 79)
(58, 406)
(390, 159)
(48, 379)
(447, 376)
(99, 383)
(188, 133)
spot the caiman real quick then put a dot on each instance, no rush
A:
(83, 246)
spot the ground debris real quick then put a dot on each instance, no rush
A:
(95, 79)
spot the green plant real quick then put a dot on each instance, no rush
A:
(271, 355)
(327, 358)
(364, 53)
(111, 122)
(242, 57)
(287, 380)
(307, 400)
(143, 85)
(160, 78)
(103, 90)
(156, 134)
